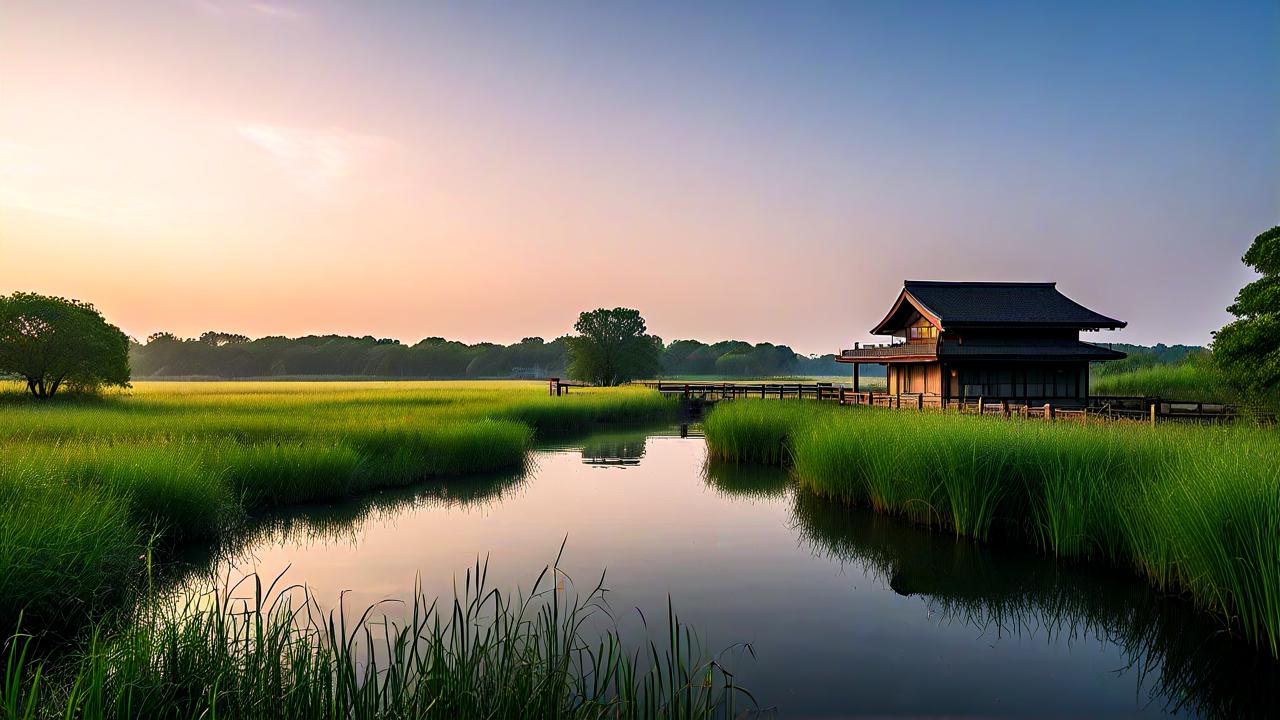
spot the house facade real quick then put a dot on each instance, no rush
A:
(1003, 342)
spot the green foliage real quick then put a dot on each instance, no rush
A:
(229, 355)
(1248, 348)
(83, 487)
(1196, 379)
(612, 347)
(1193, 509)
(52, 342)
(278, 654)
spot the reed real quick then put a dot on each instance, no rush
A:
(1192, 381)
(1195, 510)
(186, 462)
(278, 654)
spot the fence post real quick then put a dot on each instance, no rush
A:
(1048, 410)
(980, 408)
(920, 401)
(1153, 414)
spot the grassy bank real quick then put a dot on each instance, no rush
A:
(1193, 381)
(273, 653)
(86, 485)
(1195, 510)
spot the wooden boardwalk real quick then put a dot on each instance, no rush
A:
(1103, 407)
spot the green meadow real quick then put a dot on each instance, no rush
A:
(1193, 509)
(88, 486)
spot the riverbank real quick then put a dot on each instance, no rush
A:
(87, 487)
(1194, 510)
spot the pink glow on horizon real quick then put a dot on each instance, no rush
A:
(298, 168)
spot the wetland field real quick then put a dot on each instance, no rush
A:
(479, 549)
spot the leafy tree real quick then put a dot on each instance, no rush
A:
(612, 347)
(1248, 348)
(218, 339)
(53, 343)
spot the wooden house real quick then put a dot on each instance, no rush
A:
(1013, 342)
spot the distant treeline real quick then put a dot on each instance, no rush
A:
(1142, 357)
(229, 355)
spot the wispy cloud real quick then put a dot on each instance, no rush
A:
(318, 158)
(272, 10)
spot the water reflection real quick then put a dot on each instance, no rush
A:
(848, 612)
(614, 449)
(749, 482)
(1186, 661)
(341, 522)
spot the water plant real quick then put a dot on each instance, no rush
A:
(88, 483)
(277, 653)
(1195, 510)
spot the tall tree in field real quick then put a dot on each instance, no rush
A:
(1248, 348)
(53, 343)
(612, 347)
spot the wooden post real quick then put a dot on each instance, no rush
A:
(920, 401)
(855, 377)
(1153, 414)
(1048, 410)
(981, 409)
(1004, 408)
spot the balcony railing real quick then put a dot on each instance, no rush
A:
(908, 349)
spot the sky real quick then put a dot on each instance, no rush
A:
(757, 171)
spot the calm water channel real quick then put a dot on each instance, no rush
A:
(848, 613)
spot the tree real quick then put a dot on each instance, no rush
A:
(1248, 348)
(612, 347)
(53, 343)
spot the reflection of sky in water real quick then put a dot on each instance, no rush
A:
(848, 612)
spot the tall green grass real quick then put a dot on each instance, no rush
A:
(1191, 381)
(278, 654)
(90, 482)
(1195, 510)
(1181, 660)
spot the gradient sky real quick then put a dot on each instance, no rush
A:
(733, 170)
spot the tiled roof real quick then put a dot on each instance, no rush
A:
(1002, 304)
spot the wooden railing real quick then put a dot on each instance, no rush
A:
(912, 348)
(1102, 407)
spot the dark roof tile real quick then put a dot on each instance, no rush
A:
(1004, 303)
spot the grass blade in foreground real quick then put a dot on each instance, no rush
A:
(277, 654)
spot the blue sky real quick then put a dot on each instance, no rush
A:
(768, 171)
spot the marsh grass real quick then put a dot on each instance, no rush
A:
(276, 653)
(186, 462)
(1196, 510)
(1181, 659)
(1197, 382)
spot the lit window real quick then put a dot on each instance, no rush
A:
(924, 333)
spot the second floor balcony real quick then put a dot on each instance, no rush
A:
(922, 348)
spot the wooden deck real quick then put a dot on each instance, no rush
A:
(1102, 407)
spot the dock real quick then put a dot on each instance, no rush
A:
(1110, 407)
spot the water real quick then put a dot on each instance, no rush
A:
(847, 612)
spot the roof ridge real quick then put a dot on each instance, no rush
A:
(971, 283)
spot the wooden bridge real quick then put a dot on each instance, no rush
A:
(1150, 409)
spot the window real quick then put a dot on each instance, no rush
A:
(924, 332)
